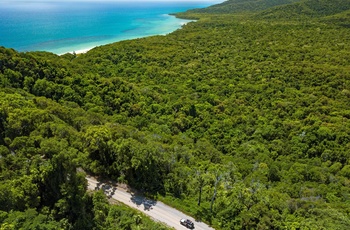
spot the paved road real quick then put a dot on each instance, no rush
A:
(155, 209)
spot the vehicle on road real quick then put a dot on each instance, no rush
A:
(187, 223)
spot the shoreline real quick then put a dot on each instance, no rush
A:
(79, 51)
(85, 50)
(172, 15)
(107, 25)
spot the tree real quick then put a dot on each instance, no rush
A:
(217, 178)
(200, 177)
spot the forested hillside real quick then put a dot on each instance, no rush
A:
(238, 119)
(307, 9)
(243, 6)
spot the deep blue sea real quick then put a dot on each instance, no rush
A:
(66, 26)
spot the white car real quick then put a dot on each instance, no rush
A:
(187, 223)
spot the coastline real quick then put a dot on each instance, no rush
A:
(181, 22)
(173, 15)
(60, 28)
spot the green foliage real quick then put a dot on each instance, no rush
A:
(238, 119)
(306, 9)
(242, 6)
(31, 219)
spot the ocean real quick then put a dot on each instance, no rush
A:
(62, 27)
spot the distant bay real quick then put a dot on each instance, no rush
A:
(62, 27)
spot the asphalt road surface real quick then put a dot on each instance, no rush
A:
(155, 209)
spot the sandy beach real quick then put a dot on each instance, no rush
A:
(172, 28)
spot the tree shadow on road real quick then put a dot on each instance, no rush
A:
(108, 189)
(141, 200)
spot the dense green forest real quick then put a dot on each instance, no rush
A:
(240, 119)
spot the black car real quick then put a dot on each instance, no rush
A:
(187, 223)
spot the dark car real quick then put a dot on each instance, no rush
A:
(187, 223)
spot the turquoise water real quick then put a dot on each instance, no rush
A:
(62, 27)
